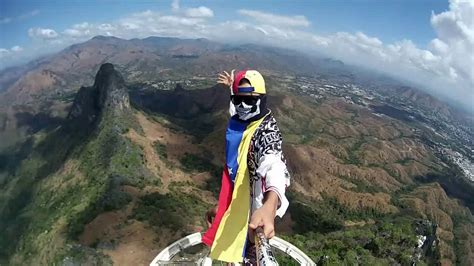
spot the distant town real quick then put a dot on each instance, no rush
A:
(454, 139)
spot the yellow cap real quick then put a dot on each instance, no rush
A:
(256, 81)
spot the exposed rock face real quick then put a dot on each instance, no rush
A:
(111, 88)
(84, 105)
(109, 94)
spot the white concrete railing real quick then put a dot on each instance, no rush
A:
(195, 239)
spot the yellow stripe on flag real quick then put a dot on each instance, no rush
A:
(231, 235)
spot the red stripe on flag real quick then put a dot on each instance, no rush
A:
(225, 197)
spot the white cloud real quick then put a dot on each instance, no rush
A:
(273, 19)
(175, 5)
(455, 41)
(16, 48)
(4, 52)
(149, 23)
(83, 30)
(9, 54)
(106, 27)
(199, 12)
(40, 33)
(7, 20)
(82, 26)
(74, 33)
(179, 21)
(445, 68)
(29, 14)
(196, 12)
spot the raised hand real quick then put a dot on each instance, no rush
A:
(226, 78)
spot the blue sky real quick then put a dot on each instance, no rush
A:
(428, 42)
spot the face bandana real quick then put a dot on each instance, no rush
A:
(246, 111)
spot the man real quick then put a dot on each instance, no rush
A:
(255, 176)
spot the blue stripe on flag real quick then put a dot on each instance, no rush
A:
(234, 133)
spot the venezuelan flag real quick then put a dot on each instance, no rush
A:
(228, 233)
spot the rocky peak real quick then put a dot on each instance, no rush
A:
(111, 88)
(108, 94)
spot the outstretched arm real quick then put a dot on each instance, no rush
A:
(272, 170)
(271, 165)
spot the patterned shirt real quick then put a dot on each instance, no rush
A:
(267, 165)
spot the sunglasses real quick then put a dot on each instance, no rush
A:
(249, 100)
